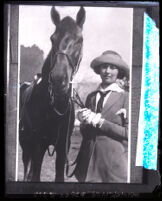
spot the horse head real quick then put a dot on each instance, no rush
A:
(66, 52)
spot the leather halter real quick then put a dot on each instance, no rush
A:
(74, 70)
(74, 67)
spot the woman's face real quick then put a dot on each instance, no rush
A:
(108, 73)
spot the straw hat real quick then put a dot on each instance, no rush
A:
(109, 57)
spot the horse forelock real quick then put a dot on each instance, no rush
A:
(69, 24)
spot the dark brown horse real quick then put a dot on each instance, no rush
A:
(46, 108)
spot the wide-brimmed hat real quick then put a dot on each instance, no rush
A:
(109, 57)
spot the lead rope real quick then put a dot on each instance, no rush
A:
(80, 103)
(67, 141)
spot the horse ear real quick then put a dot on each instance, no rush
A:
(80, 19)
(55, 16)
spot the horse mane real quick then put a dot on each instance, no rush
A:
(46, 66)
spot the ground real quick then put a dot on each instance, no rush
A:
(48, 166)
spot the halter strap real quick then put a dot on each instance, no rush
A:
(74, 67)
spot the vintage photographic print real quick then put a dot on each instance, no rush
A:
(82, 56)
(77, 78)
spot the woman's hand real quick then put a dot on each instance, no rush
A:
(86, 116)
(83, 114)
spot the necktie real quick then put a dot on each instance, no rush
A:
(100, 102)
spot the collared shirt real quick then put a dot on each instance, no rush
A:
(112, 87)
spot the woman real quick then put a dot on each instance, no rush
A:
(104, 125)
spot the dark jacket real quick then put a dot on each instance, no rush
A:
(103, 152)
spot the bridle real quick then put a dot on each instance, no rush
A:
(72, 91)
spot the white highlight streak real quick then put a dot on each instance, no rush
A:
(130, 103)
(18, 93)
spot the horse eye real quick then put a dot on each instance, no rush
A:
(53, 38)
(80, 40)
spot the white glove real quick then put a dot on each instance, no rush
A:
(83, 114)
(96, 119)
(88, 117)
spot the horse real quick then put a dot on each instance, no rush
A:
(46, 108)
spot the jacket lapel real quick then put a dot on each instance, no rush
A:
(113, 98)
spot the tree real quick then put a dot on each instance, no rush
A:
(31, 62)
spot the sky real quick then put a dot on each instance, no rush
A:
(105, 28)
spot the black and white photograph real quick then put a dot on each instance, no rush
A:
(77, 91)
(66, 132)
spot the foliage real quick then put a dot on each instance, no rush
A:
(31, 61)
